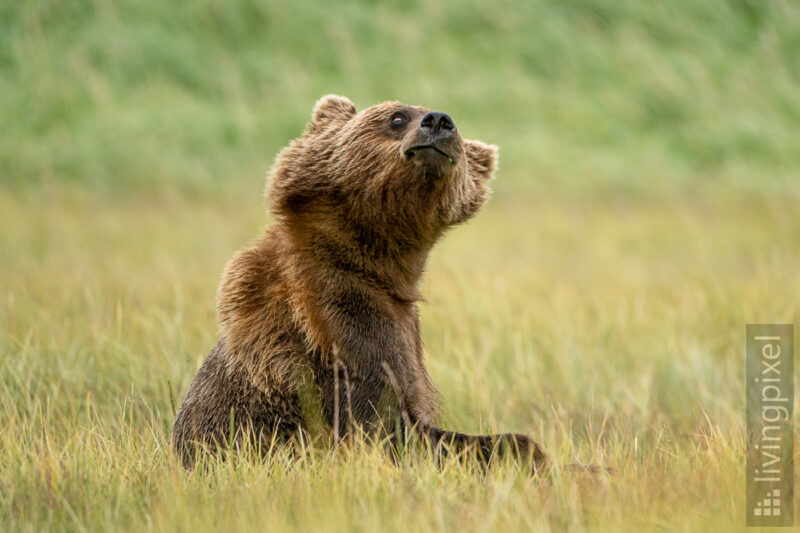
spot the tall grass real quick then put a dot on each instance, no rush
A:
(613, 332)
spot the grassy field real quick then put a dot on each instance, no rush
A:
(133, 94)
(611, 331)
(645, 211)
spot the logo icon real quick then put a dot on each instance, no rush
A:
(770, 505)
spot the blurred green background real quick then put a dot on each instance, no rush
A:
(147, 95)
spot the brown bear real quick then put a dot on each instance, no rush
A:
(327, 296)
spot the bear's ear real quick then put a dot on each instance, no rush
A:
(331, 109)
(481, 159)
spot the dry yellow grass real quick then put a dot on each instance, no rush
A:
(610, 326)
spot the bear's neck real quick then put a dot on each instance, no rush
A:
(392, 266)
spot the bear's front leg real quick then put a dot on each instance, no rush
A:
(373, 377)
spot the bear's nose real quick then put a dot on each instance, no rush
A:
(437, 125)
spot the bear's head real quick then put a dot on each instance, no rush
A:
(390, 177)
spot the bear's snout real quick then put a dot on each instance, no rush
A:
(434, 144)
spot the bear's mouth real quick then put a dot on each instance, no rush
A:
(411, 152)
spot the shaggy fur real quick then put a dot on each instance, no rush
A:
(326, 298)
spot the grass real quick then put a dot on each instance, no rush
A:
(645, 211)
(134, 94)
(613, 332)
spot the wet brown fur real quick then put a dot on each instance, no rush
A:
(328, 294)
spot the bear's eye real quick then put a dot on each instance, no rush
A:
(398, 120)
